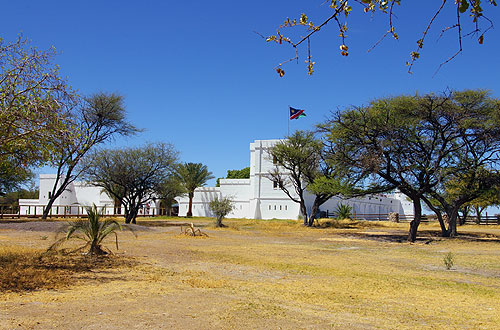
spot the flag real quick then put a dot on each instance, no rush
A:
(296, 113)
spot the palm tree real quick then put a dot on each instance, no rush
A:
(93, 231)
(192, 176)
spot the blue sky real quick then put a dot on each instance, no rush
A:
(194, 73)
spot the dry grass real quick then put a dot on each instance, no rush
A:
(26, 269)
(274, 274)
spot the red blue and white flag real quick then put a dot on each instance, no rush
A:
(296, 113)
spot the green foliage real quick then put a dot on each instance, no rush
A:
(449, 260)
(34, 103)
(93, 231)
(343, 211)
(168, 189)
(244, 173)
(192, 176)
(131, 175)
(221, 208)
(301, 167)
(12, 177)
(296, 166)
(11, 199)
(98, 119)
(431, 146)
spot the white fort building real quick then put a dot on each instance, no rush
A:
(75, 198)
(260, 198)
(255, 198)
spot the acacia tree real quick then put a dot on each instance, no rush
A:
(192, 176)
(12, 177)
(471, 188)
(167, 190)
(300, 169)
(130, 175)
(469, 129)
(489, 198)
(99, 118)
(421, 144)
(341, 10)
(34, 101)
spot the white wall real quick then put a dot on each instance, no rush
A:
(73, 200)
(202, 196)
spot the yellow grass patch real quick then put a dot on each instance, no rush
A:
(25, 269)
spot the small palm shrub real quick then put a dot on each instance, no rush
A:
(93, 231)
(221, 208)
(449, 260)
(343, 211)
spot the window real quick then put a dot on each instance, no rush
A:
(275, 184)
(269, 207)
(275, 160)
(280, 207)
(50, 194)
(275, 207)
(286, 207)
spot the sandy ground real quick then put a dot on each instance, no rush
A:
(178, 283)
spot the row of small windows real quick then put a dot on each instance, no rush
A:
(194, 206)
(60, 197)
(276, 207)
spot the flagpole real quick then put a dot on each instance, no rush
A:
(288, 120)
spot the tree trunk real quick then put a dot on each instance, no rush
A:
(47, 208)
(452, 224)
(131, 215)
(189, 213)
(219, 222)
(417, 209)
(444, 230)
(439, 215)
(312, 216)
(463, 218)
(57, 191)
(303, 210)
(478, 214)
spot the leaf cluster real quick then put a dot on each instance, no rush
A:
(34, 103)
(340, 11)
(192, 176)
(93, 231)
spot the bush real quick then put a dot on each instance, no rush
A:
(343, 211)
(92, 231)
(221, 208)
(448, 260)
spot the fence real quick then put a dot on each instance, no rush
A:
(71, 211)
(483, 220)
